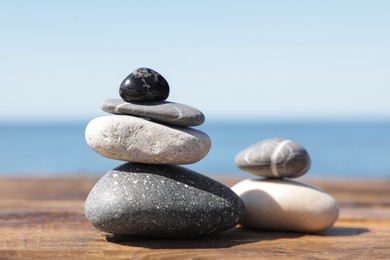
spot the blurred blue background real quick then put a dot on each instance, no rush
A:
(314, 72)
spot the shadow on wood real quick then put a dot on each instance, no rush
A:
(227, 239)
(343, 231)
(230, 238)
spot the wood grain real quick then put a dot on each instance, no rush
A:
(43, 218)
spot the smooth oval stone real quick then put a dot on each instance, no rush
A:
(144, 84)
(274, 158)
(163, 111)
(285, 205)
(161, 201)
(135, 139)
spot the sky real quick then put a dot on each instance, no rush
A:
(230, 59)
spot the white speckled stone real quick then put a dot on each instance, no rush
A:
(138, 140)
(274, 158)
(161, 201)
(163, 111)
(286, 205)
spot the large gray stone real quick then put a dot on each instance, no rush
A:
(167, 112)
(135, 139)
(286, 205)
(274, 158)
(161, 201)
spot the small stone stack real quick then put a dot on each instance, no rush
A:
(151, 196)
(277, 204)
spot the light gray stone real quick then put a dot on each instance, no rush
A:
(167, 112)
(135, 139)
(161, 201)
(274, 158)
(286, 205)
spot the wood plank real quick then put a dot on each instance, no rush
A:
(43, 218)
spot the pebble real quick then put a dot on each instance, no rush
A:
(274, 158)
(162, 111)
(134, 139)
(285, 205)
(161, 201)
(144, 84)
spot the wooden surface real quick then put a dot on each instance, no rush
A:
(43, 218)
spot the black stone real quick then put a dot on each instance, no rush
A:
(161, 201)
(144, 84)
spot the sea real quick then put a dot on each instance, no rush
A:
(337, 148)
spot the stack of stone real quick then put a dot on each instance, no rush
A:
(277, 204)
(151, 195)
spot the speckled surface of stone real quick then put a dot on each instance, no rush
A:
(144, 84)
(274, 158)
(286, 205)
(162, 111)
(161, 201)
(134, 139)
